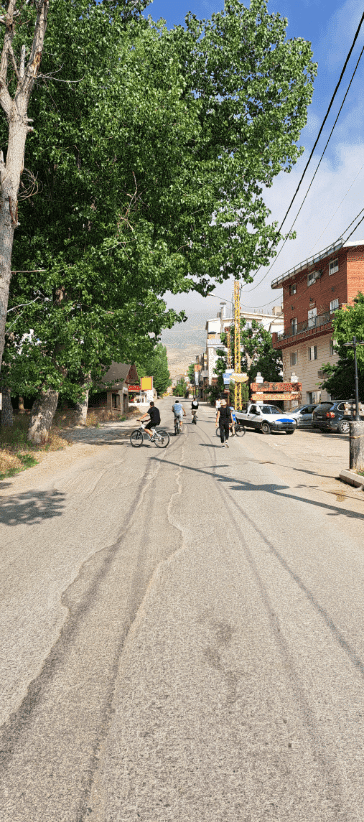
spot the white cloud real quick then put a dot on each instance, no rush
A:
(340, 31)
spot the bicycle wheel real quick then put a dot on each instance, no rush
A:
(218, 432)
(239, 430)
(136, 438)
(176, 427)
(161, 439)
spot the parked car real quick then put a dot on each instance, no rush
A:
(265, 417)
(333, 416)
(303, 415)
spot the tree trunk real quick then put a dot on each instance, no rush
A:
(6, 414)
(82, 409)
(15, 110)
(41, 419)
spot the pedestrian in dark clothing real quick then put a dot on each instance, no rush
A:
(223, 419)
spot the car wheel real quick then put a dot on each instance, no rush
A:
(265, 429)
(343, 427)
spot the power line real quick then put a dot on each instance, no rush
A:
(305, 169)
(354, 229)
(335, 212)
(325, 118)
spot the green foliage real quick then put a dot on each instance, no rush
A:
(191, 372)
(340, 378)
(156, 365)
(139, 132)
(180, 388)
(212, 393)
(258, 347)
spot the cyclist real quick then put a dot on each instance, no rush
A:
(194, 406)
(179, 412)
(154, 419)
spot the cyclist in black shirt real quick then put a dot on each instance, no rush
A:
(154, 419)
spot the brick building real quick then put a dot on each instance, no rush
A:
(312, 292)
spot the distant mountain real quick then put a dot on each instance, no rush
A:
(185, 341)
(190, 333)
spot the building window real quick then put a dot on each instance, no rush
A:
(293, 358)
(334, 266)
(312, 314)
(334, 305)
(294, 325)
(312, 352)
(293, 288)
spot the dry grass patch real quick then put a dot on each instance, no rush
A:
(16, 453)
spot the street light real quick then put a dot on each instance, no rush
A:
(354, 345)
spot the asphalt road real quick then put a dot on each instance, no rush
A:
(182, 635)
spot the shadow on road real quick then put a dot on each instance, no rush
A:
(270, 488)
(31, 507)
(277, 490)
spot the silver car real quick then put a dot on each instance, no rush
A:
(303, 415)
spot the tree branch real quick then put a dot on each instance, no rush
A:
(26, 82)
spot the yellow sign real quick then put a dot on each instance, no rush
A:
(240, 377)
(146, 383)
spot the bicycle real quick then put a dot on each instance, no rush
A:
(177, 425)
(239, 429)
(194, 416)
(161, 438)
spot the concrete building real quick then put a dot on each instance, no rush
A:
(215, 327)
(312, 291)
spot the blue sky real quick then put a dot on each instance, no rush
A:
(337, 193)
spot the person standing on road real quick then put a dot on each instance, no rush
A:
(223, 419)
(154, 419)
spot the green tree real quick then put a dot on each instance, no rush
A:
(137, 144)
(340, 378)
(258, 349)
(180, 388)
(191, 372)
(156, 366)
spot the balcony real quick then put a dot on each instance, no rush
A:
(308, 327)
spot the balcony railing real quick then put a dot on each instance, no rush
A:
(308, 325)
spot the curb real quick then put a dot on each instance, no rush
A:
(352, 478)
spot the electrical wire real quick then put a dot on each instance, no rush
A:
(335, 212)
(316, 170)
(325, 118)
(354, 229)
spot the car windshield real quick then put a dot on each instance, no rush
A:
(271, 409)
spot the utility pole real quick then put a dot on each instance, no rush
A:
(237, 354)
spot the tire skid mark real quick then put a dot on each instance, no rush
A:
(20, 719)
(79, 598)
(327, 764)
